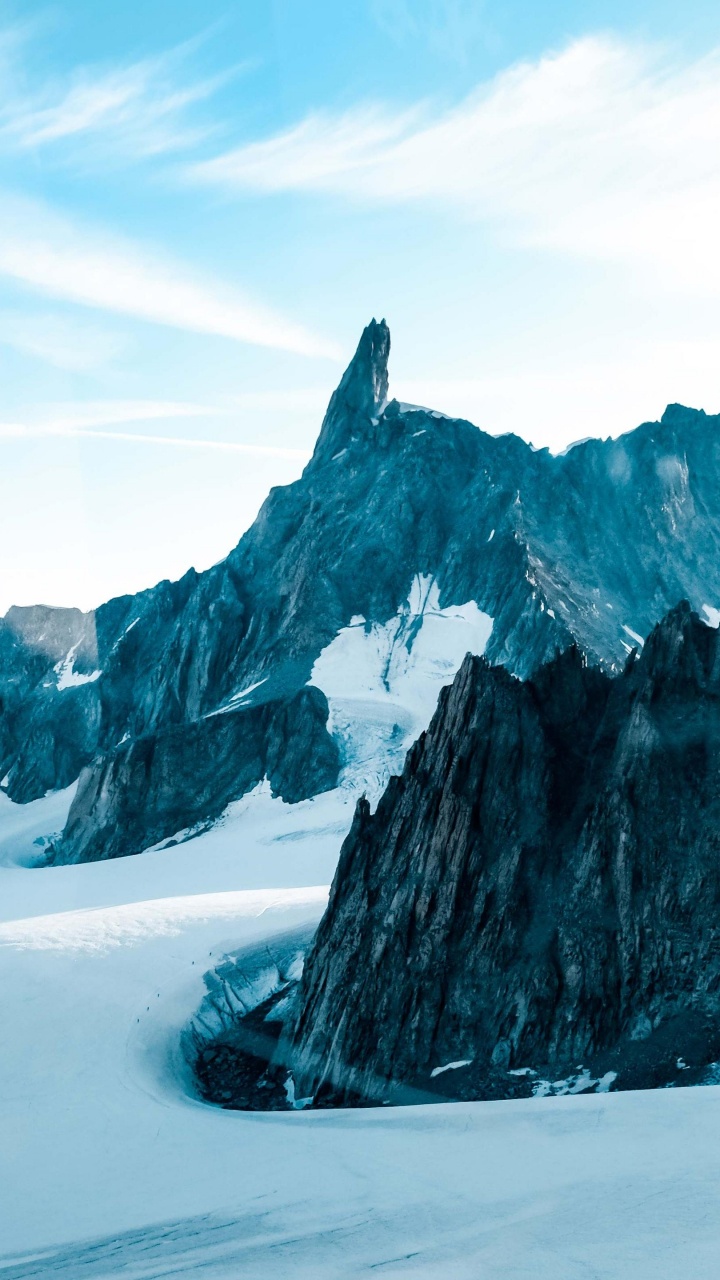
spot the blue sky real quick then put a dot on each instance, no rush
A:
(201, 206)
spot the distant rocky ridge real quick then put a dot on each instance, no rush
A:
(537, 897)
(592, 548)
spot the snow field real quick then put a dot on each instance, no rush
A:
(382, 681)
(110, 1166)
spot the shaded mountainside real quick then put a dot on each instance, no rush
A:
(175, 781)
(538, 893)
(589, 547)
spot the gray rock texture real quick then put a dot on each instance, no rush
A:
(558, 550)
(162, 784)
(540, 886)
(47, 731)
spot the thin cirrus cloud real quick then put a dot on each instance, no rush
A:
(94, 421)
(133, 111)
(59, 340)
(79, 265)
(450, 28)
(604, 149)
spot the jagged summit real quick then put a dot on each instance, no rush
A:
(681, 648)
(362, 392)
(680, 414)
(397, 504)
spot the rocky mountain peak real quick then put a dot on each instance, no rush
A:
(536, 895)
(681, 648)
(362, 392)
(678, 415)
(402, 508)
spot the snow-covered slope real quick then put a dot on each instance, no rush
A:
(109, 1166)
(382, 680)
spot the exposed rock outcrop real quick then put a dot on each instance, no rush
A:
(589, 547)
(162, 785)
(540, 887)
(49, 700)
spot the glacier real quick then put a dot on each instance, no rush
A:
(112, 1167)
(382, 680)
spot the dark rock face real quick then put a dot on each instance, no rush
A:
(555, 549)
(161, 784)
(540, 887)
(49, 726)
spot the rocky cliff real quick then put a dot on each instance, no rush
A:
(172, 783)
(538, 895)
(590, 548)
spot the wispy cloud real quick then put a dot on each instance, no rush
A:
(604, 149)
(321, 153)
(102, 413)
(81, 265)
(92, 422)
(451, 28)
(314, 399)
(59, 339)
(115, 112)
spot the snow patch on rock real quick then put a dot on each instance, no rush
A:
(382, 680)
(67, 677)
(633, 635)
(583, 1082)
(450, 1066)
(238, 698)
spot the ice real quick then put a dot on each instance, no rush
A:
(25, 829)
(579, 1083)
(112, 1167)
(238, 698)
(404, 406)
(260, 843)
(67, 677)
(633, 635)
(450, 1066)
(574, 445)
(382, 680)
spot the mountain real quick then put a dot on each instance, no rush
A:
(410, 539)
(536, 899)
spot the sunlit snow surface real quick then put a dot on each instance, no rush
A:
(110, 1167)
(383, 680)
